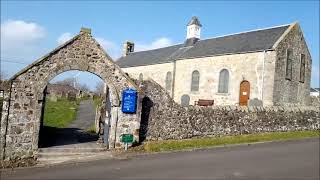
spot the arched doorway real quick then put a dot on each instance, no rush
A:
(74, 110)
(244, 93)
(20, 122)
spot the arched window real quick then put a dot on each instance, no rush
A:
(195, 81)
(168, 81)
(185, 99)
(140, 77)
(223, 81)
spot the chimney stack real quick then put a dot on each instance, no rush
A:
(128, 47)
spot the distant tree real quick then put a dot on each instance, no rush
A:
(68, 81)
(82, 87)
(99, 88)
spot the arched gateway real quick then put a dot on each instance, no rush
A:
(20, 121)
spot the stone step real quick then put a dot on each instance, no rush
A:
(45, 158)
(71, 150)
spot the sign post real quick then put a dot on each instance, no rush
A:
(126, 138)
(129, 101)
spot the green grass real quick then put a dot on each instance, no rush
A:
(170, 145)
(97, 100)
(60, 113)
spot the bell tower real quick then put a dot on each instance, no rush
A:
(194, 28)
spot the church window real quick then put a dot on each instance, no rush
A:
(195, 80)
(302, 67)
(223, 81)
(168, 81)
(289, 64)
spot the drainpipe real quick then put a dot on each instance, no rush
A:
(263, 66)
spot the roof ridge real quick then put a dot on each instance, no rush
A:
(243, 32)
(256, 40)
(210, 38)
(154, 49)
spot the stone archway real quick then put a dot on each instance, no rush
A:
(20, 121)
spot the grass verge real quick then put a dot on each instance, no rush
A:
(60, 113)
(171, 145)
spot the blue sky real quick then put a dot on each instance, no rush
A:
(31, 29)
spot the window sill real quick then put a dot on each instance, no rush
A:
(301, 81)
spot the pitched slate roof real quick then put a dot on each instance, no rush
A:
(252, 41)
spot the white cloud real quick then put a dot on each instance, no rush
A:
(64, 38)
(13, 31)
(115, 50)
(158, 43)
(110, 47)
(20, 42)
(20, 35)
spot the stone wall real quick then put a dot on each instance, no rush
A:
(315, 101)
(23, 101)
(162, 118)
(156, 72)
(246, 66)
(292, 91)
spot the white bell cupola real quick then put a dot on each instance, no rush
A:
(194, 28)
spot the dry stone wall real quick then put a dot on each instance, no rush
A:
(162, 118)
(292, 91)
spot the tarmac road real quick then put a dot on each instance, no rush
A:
(295, 159)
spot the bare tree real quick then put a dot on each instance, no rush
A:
(68, 81)
(99, 88)
(83, 87)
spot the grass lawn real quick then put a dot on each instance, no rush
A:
(169, 145)
(97, 100)
(60, 113)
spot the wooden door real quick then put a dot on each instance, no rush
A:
(244, 93)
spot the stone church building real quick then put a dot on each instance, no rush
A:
(270, 66)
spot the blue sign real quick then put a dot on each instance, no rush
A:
(129, 101)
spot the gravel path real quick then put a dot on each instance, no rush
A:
(74, 135)
(85, 115)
